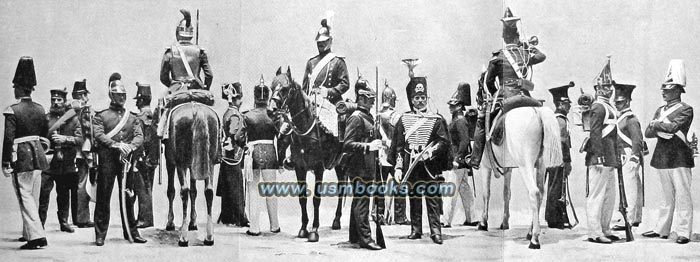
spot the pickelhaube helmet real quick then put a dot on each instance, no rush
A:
(388, 96)
(229, 91)
(561, 94)
(25, 77)
(462, 96)
(79, 88)
(184, 29)
(143, 90)
(623, 92)
(675, 75)
(510, 25)
(363, 88)
(60, 92)
(261, 91)
(115, 84)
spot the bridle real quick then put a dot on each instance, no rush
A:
(284, 107)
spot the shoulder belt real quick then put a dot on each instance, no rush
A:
(609, 123)
(513, 64)
(321, 64)
(62, 120)
(621, 134)
(183, 57)
(663, 116)
(119, 126)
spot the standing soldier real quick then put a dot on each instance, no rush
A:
(511, 66)
(555, 211)
(673, 158)
(362, 146)
(230, 185)
(118, 133)
(85, 159)
(23, 155)
(147, 158)
(421, 140)
(601, 160)
(182, 63)
(459, 134)
(261, 159)
(629, 145)
(388, 117)
(66, 138)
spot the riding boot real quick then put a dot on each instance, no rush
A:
(479, 143)
(161, 124)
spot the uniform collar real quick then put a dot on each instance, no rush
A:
(458, 113)
(672, 103)
(117, 107)
(625, 110)
(25, 98)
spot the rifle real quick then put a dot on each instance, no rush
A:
(623, 205)
(378, 165)
(126, 167)
(196, 39)
(641, 163)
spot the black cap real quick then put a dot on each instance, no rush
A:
(510, 24)
(143, 90)
(79, 87)
(462, 96)
(623, 92)
(25, 76)
(561, 94)
(59, 92)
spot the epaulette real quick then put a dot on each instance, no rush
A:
(496, 53)
(340, 56)
(97, 111)
(201, 49)
(8, 111)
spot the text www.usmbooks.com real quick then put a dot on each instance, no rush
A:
(335, 189)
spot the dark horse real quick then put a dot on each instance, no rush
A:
(312, 148)
(192, 149)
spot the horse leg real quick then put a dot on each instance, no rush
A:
(318, 180)
(484, 224)
(530, 179)
(506, 198)
(303, 195)
(342, 182)
(170, 226)
(193, 211)
(184, 177)
(209, 195)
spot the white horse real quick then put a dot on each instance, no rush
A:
(488, 173)
(532, 144)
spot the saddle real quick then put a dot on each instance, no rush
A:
(192, 95)
(498, 122)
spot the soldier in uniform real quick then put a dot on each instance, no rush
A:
(326, 73)
(388, 117)
(459, 136)
(601, 160)
(23, 155)
(510, 66)
(555, 211)
(230, 184)
(66, 138)
(362, 146)
(182, 64)
(261, 158)
(85, 158)
(673, 158)
(147, 157)
(629, 145)
(421, 131)
(118, 134)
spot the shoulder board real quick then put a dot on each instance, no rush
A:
(8, 111)
(339, 56)
(245, 112)
(496, 53)
(168, 48)
(100, 110)
(134, 113)
(201, 49)
(685, 104)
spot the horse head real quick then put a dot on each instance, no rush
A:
(289, 98)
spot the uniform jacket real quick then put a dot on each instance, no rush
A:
(172, 70)
(22, 119)
(388, 118)
(106, 120)
(234, 129)
(63, 160)
(673, 152)
(499, 67)
(565, 137)
(149, 154)
(260, 126)
(629, 127)
(334, 76)
(359, 132)
(602, 149)
(440, 160)
(459, 136)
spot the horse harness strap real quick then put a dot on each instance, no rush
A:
(119, 126)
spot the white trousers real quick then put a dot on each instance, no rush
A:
(633, 190)
(256, 201)
(27, 187)
(600, 204)
(675, 183)
(464, 191)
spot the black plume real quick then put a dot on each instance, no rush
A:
(188, 17)
(114, 76)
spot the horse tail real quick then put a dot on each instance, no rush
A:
(551, 153)
(201, 159)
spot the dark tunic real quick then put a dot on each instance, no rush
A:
(361, 162)
(500, 68)
(173, 71)
(629, 127)
(602, 148)
(23, 119)
(63, 160)
(459, 136)
(230, 184)
(333, 76)
(673, 152)
(260, 126)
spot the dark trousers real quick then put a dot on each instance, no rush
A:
(399, 199)
(110, 170)
(230, 189)
(360, 231)
(83, 202)
(432, 201)
(479, 141)
(143, 188)
(66, 195)
(555, 211)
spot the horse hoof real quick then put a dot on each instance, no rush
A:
(336, 224)
(534, 246)
(182, 243)
(313, 236)
(170, 228)
(529, 237)
(504, 227)
(483, 227)
(192, 228)
(208, 242)
(303, 233)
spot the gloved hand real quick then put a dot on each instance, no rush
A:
(398, 173)
(7, 169)
(375, 145)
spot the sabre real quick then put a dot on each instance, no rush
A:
(126, 161)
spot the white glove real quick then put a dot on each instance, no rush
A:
(398, 173)
(375, 145)
(322, 91)
(285, 128)
(7, 171)
(427, 155)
